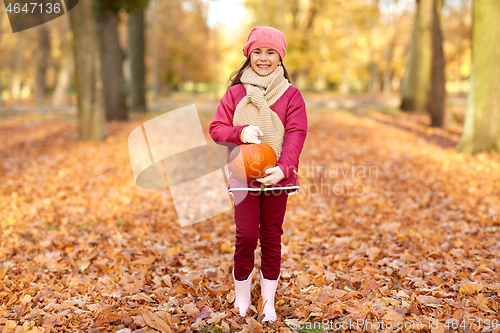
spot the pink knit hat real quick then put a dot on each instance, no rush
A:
(265, 37)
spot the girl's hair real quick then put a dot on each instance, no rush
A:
(235, 76)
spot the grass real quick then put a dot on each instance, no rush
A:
(211, 329)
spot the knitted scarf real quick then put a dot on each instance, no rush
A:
(253, 109)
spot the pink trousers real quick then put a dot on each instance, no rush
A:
(258, 215)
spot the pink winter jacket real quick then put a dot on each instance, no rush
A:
(291, 109)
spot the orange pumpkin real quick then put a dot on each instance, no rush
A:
(250, 161)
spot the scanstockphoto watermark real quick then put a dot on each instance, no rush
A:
(335, 179)
(196, 171)
(361, 324)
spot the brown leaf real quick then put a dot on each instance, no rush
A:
(168, 281)
(166, 317)
(324, 297)
(107, 317)
(428, 300)
(253, 325)
(154, 321)
(191, 309)
(303, 281)
(141, 298)
(216, 317)
(393, 316)
(373, 253)
(370, 270)
(90, 255)
(144, 261)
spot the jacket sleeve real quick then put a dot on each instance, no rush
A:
(221, 128)
(295, 135)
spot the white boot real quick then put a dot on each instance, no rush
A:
(268, 290)
(242, 291)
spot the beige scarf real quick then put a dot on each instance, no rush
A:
(253, 109)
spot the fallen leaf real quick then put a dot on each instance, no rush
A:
(393, 316)
(153, 321)
(470, 288)
(144, 261)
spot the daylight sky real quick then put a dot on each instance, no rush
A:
(228, 12)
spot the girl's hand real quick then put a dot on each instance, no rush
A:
(275, 175)
(251, 134)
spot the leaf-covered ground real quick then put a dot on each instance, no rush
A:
(391, 226)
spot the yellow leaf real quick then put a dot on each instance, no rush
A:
(370, 270)
(9, 327)
(26, 299)
(226, 247)
(82, 264)
(470, 288)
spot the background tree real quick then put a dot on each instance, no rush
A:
(331, 44)
(88, 80)
(184, 43)
(417, 78)
(62, 85)
(437, 94)
(112, 57)
(16, 78)
(482, 120)
(353, 45)
(153, 48)
(424, 82)
(136, 48)
(1, 19)
(42, 63)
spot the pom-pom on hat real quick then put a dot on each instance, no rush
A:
(265, 37)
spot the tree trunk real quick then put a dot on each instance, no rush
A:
(301, 80)
(15, 89)
(1, 19)
(44, 46)
(482, 118)
(345, 87)
(137, 65)
(373, 67)
(112, 56)
(389, 51)
(374, 83)
(417, 82)
(64, 75)
(437, 93)
(63, 80)
(88, 80)
(154, 52)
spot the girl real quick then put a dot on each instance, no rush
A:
(261, 105)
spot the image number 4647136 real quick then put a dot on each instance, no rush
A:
(26, 14)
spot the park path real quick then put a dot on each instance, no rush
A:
(411, 236)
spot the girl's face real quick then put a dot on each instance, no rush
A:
(264, 61)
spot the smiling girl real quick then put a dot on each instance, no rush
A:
(261, 105)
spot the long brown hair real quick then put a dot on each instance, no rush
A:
(235, 76)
